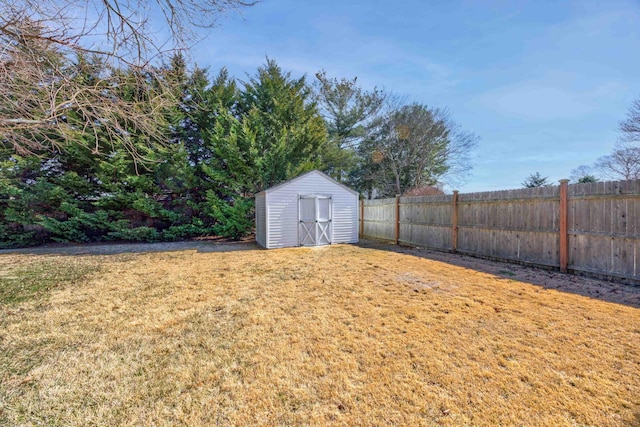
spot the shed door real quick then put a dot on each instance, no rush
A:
(315, 220)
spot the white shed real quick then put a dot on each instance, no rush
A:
(310, 210)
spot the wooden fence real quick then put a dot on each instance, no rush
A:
(590, 228)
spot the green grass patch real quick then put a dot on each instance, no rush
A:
(35, 280)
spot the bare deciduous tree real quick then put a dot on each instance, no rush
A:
(44, 101)
(630, 127)
(622, 163)
(583, 174)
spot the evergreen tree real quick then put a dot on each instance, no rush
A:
(280, 117)
(583, 174)
(536, 180)
(349, 112)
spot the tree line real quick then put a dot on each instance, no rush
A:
(216, 142)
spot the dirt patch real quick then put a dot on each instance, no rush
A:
(593, 288)
(419, 284)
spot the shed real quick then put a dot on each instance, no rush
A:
(310, 210)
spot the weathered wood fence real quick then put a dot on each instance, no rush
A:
(592, 228)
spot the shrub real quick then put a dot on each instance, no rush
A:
(233, 219)
(15, 236)
(185, 231)
(79, 226)
(138, 234)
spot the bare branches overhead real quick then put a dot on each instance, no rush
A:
(133, 31)
(45, 101)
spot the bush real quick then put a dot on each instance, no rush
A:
(138, 234)
(79, 226)
(185, 231)
(17, 237)
(234, 219)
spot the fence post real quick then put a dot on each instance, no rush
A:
(397, 219)
(454, 222)
(564, 234)
(361, 218)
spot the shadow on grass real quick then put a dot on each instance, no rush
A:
(618, 293)
(133, 248)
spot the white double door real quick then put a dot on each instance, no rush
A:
(315, 220)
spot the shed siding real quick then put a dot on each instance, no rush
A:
(282, 210)
(261, 221)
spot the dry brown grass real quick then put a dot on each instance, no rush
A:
(342, 335)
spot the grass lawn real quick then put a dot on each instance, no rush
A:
(342, 335)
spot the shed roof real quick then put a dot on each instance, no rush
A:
(317, 172)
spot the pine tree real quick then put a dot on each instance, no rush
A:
(535, 180)
(279, 112)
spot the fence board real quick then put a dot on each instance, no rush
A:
(524, 225)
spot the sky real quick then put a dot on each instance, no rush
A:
(544, 84)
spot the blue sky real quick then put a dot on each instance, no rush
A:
(543, 83)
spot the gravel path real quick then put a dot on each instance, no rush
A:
(121, 248)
